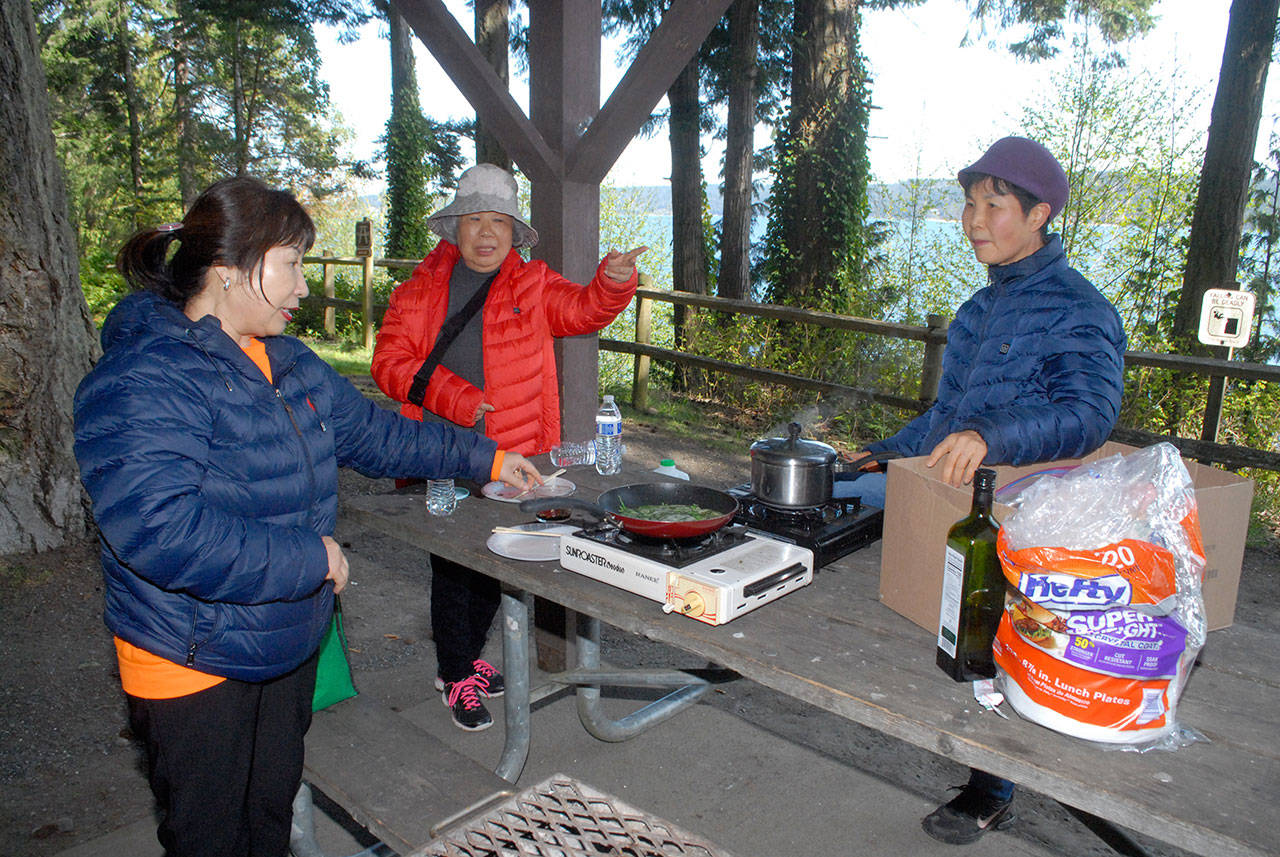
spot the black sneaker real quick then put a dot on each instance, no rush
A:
(487, 676)
(967, 816)
(462, 698)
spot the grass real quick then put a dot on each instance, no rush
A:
(347, 357)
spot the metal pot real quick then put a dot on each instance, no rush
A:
(794, 473)
(790, 472)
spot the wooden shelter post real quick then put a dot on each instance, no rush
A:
(564, 96)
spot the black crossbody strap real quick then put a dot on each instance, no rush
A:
(448, 332)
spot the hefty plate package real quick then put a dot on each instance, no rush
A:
(1104, 614)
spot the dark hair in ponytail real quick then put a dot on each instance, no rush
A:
(233, 223)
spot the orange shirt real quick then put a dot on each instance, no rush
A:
(149, 676)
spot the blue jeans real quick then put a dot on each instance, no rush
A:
(868, 486)
(997, 787)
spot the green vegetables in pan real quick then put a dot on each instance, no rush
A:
(671, 512)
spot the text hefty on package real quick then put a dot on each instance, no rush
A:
(1129, 573)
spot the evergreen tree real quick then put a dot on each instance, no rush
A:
(817, 240)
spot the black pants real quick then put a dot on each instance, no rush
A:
(463, 604)
(225, 763)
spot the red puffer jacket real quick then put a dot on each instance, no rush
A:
(528, 305)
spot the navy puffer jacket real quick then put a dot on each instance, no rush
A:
(212, 486)
(1033, 363)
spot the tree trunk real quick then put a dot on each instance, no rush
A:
(688, 248)
(735, 226)
(817, 231)
(131, 109)
(237, 103)
(1213, 248)
(492, 34)
(408, 204)
(183, 111)
(402, 62)
(47, 341)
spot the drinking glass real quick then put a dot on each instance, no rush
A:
(441, 499)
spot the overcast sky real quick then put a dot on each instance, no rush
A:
(938, 102)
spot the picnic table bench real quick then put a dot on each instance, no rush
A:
(834, 645)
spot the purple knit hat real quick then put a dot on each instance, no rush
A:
(1027, 164)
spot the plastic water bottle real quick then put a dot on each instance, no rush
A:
(667, 467)
(608, 438)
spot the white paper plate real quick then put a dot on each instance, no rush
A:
(504, 493)
(532, 548)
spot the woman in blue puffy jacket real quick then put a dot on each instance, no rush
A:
(1033, 366)
(1032, 372)
(210, 445)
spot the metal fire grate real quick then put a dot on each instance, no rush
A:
(562, 817)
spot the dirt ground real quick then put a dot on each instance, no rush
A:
(70, 770)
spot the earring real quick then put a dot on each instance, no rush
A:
(226, 284)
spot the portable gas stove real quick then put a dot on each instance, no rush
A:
(714, 579)
(830, 531)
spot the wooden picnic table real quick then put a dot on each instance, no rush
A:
(834, 645)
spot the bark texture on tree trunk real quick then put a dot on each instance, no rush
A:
(185, 125)
(1213, 248)
(47, 342)
(735, 237)
(688, 249)
(492, 33)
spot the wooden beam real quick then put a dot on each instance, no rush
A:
(684, 27)
(564, 96)
(481, 86)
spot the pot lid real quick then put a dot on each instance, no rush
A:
(793, 449)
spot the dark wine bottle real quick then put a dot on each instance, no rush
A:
(973, 588)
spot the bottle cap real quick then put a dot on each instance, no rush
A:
(667, 462)
(608, 398)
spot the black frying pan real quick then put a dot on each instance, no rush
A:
(650, 494)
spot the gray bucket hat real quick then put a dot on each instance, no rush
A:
(484, 187)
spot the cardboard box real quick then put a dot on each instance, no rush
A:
(919, 509)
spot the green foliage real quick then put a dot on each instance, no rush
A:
(1130, 144)
(422, 156)
(1260, 256)
(103, 287)
(626, 222)
(87, 47)
(817, 242)
(255, 103)
(1041, 22)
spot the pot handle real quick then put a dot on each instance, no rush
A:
(847, 471)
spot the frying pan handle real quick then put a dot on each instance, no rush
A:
(542, 504)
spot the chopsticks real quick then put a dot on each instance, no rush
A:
(516, 531)
(544, 482)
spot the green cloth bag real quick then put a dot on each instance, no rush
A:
(333, 673)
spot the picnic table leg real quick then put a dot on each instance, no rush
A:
(589, 677)
(515, 671)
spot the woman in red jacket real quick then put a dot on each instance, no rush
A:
(497, 373)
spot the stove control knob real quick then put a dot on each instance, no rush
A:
(693, 604)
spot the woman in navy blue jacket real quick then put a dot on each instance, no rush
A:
(1033, 366)
(210, 445)
(1032, 372)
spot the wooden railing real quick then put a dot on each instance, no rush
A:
(370, 313)
(933, 335)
